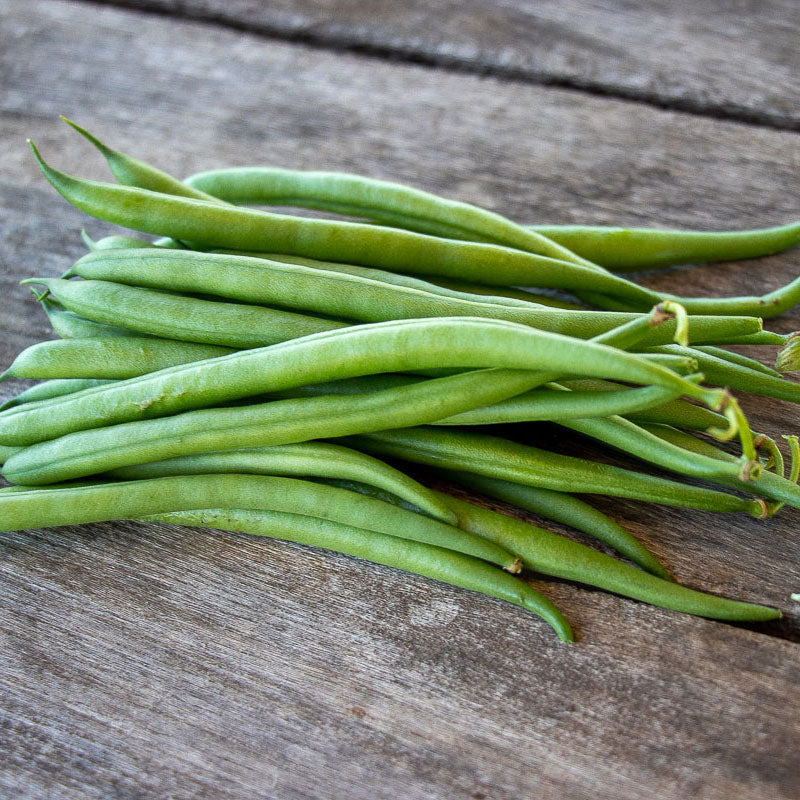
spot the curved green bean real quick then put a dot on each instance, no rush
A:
(399, 346)
(73, 505)
(323, 291)
(215, 226)
(558, 404)
(279, 422)
(50, 389)
(550, 554)
(631, 249)
(569, 510)
(487, 295)
(737, 358)
(106, 359)
(304, 459)
(679, 413)
(427, 560)
(740, 378)
(629, 437)
(129, 170)
(69, 325)
(531, 466)
(355, 195)
(189, 319)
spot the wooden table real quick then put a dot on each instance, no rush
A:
(144, 661)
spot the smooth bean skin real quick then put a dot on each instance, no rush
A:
(530, 466)
(674, 412)
(399, 346)
(338, 294)
(550, 554)
(630, 438)
(631, 249)
(106, 359)
(189, 319)
(506, 293)
(569, 510)
(625, 435)
(542, 404)
(128, 170)
(381, 201)
(427, 560)
(74, 505)
(279, 422)
(6, 453)
(484, 294)
(69, 325)
(114, 242)
(768, 305)
(213, 226)
(50, 389)
(737, 358)
(740, 378)
(304, 459)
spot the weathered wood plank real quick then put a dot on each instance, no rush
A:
(150, 662)
(733, 60)
(143, 661)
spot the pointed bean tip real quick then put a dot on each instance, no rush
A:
(86, 135)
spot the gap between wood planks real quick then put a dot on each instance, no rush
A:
(728, 112)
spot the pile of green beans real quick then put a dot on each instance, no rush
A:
(193, 376)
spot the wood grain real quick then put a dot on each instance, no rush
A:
(735, 60)
(152, 662)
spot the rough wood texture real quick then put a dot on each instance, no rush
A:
(737, 60)
(152, 662)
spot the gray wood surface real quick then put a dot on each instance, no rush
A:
(155, 662)
(735, 59)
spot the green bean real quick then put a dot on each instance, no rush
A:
(382, 201)
(630, 249)
(187, 318)
(402, 345)
(279, 422)
(674, 412)
(487, 295)
(6, 453)
(734, 376)
(768, 305)
(415, 557)
(69, 325)
(629, 437)
(568, 510)
(556, 404)
(531, 466)
(213, 226)
(105, 359)
(114, 242)
(737, 358)
(761, 338)
(506, 293)
(677, 412)
(305, 459)
(686, 441)
(70, 505)
(550, 554)
(127, 169)
(50, 389)
(355, 297)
